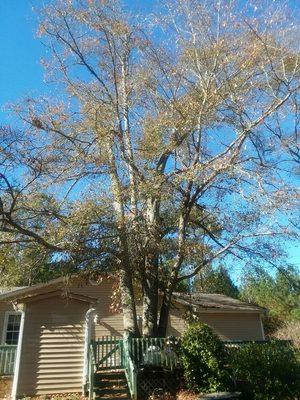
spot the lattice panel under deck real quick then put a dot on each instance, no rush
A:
(151, 381)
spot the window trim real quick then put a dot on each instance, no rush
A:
(5, 325)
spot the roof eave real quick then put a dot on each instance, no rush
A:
(20, 293)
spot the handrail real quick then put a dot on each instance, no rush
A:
(7, 359)
(92, 369)
(130, 368)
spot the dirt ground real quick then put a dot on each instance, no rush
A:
(59, 396)
(187, 395)
(5, 387)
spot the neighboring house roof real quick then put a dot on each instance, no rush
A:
(207, 301)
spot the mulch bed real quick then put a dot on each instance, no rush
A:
(59, 396)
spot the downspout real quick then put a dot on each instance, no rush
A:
(14, 390)
(87, 340)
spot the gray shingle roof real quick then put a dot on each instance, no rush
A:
(10, 289)
(216, 301)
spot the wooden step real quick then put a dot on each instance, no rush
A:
(116, 391)
(112, 379)
(110, 371)
(110, 383)
(110, 375)
(121, 396)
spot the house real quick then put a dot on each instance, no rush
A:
(50, 327)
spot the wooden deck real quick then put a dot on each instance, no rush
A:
(129, 355)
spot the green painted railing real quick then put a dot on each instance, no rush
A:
(129, 354)
(157, 352)
(130, 368)
(7, 359)
(108, 352)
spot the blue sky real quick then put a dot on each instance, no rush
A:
(20, 70)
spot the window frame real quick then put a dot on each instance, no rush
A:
(5, 326)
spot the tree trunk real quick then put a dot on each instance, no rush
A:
(167, 298)
(126, 285)
(128, 304)
(150, 296)
(164, 314)
(150, 273)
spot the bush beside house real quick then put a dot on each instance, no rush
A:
(268, 371)
(261, 371)
(204, 359)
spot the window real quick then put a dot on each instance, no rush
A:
(11, 328)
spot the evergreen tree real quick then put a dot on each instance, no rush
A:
(215, 281)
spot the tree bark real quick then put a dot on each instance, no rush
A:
(150, 273)
(126, 284)
(164, 314)
(150, 296)
(128, 303)
(167, 297)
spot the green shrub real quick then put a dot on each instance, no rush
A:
(204, 358)
(270, 370)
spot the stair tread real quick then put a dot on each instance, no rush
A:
(110, 374)
(112, 398)
(122, 396)
(113, 390)
(110, 377)
(107, 386)
(110, 383)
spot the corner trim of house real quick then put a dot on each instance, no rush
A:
(262, 328)
(18, 356)
(87, 339)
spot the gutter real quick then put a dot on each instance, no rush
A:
(87, 339)
(14, 390)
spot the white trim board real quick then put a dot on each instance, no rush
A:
(14, 390)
